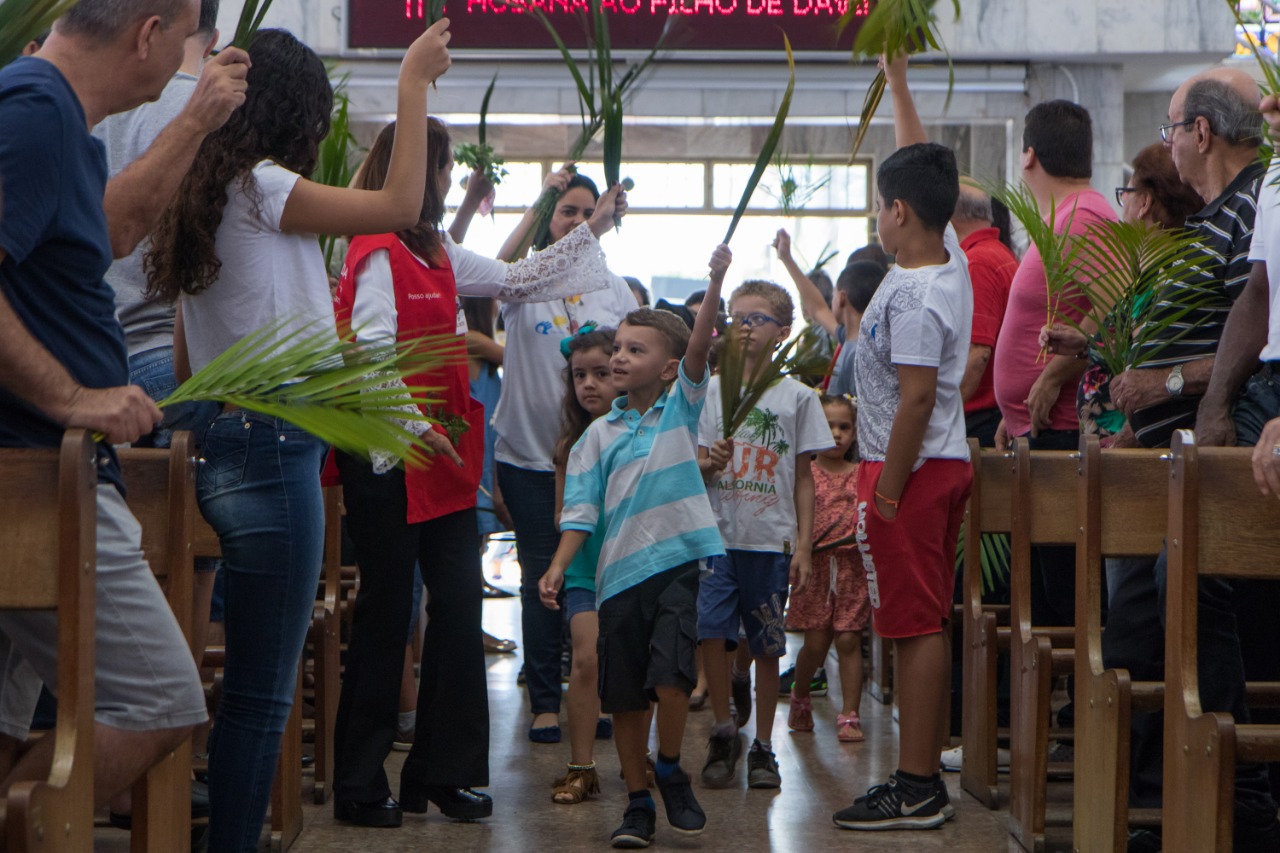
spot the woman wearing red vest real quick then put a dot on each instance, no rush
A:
(402, 286)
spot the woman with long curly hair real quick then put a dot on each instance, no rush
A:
(405, 285)
(239, 247)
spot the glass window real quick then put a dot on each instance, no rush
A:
(835, 187)
(521, 185)
(664, 185)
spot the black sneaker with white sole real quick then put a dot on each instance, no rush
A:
(762, 768)
(948, 810)
(893, 806)
(723, 752)
(683, 812)
(638, 826)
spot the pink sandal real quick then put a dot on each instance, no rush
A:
(849, 728)
(801, 716)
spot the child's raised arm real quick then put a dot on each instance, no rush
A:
(810, 297)
(313, 208)
(907, 127)
(516, 246)
(695, 357)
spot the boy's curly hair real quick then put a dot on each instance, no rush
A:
(784, 310)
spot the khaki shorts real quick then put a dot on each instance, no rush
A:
(144, 679)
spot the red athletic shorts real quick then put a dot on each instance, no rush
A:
(911, 561)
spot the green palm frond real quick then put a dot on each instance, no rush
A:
(1058, 249)
(1131, 281)
(894, 27)
(335, 161)
(21, 21)
(251, 17)
(1270, 76)
(793, 193)
(740, 391)
(602, 97)
(1270, 73)
(480, 155)
(1143, 278)
(336, 389)
(995, 555)
(825, 256)
(770, 143)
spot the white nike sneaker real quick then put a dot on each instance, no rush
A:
(954, 757)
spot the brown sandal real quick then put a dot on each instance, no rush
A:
(577, 785)
(650, 771)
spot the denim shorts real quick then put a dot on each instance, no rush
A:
(578, 600)
(747, 589)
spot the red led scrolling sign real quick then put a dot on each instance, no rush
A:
(699, 25)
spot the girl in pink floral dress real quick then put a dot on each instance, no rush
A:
(834, 606)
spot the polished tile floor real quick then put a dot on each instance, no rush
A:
(820, 775)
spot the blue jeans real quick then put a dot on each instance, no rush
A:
(531, 500)
(260, 491)
(152, 371)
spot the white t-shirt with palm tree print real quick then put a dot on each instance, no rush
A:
(754, 497)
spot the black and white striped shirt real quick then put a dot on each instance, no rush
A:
(1224, 229)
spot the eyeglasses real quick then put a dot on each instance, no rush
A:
(1166, 130)
(1120, 191)
(753, 320)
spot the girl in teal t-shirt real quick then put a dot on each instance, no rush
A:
(589, 393)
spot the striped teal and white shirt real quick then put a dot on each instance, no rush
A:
(635, 478)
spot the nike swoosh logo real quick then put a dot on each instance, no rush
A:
(910, 810)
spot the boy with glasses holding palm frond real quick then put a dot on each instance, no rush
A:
(762, 491)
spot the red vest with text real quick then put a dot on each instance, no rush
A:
(427, 304)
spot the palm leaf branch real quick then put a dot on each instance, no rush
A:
(894, 27)
(252, 15)
(1058, 249)
(993, 554)
(21, 21)
(1142, 277)
(740, 391)
(481, 155)
(1270, 75)
(601, 99)
(334, 161)
(484, 109)
(335, 389)
(765, 157)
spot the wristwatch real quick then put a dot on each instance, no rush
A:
(1175, 382)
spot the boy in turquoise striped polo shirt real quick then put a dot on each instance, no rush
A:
(634, 474)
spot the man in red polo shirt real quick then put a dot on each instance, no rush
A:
(991, 268)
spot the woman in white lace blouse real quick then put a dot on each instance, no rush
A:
(402, 286)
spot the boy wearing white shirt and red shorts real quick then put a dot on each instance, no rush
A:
(915, 476)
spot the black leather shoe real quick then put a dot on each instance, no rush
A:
(199, 809)
(457, 803)
(385, 813)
